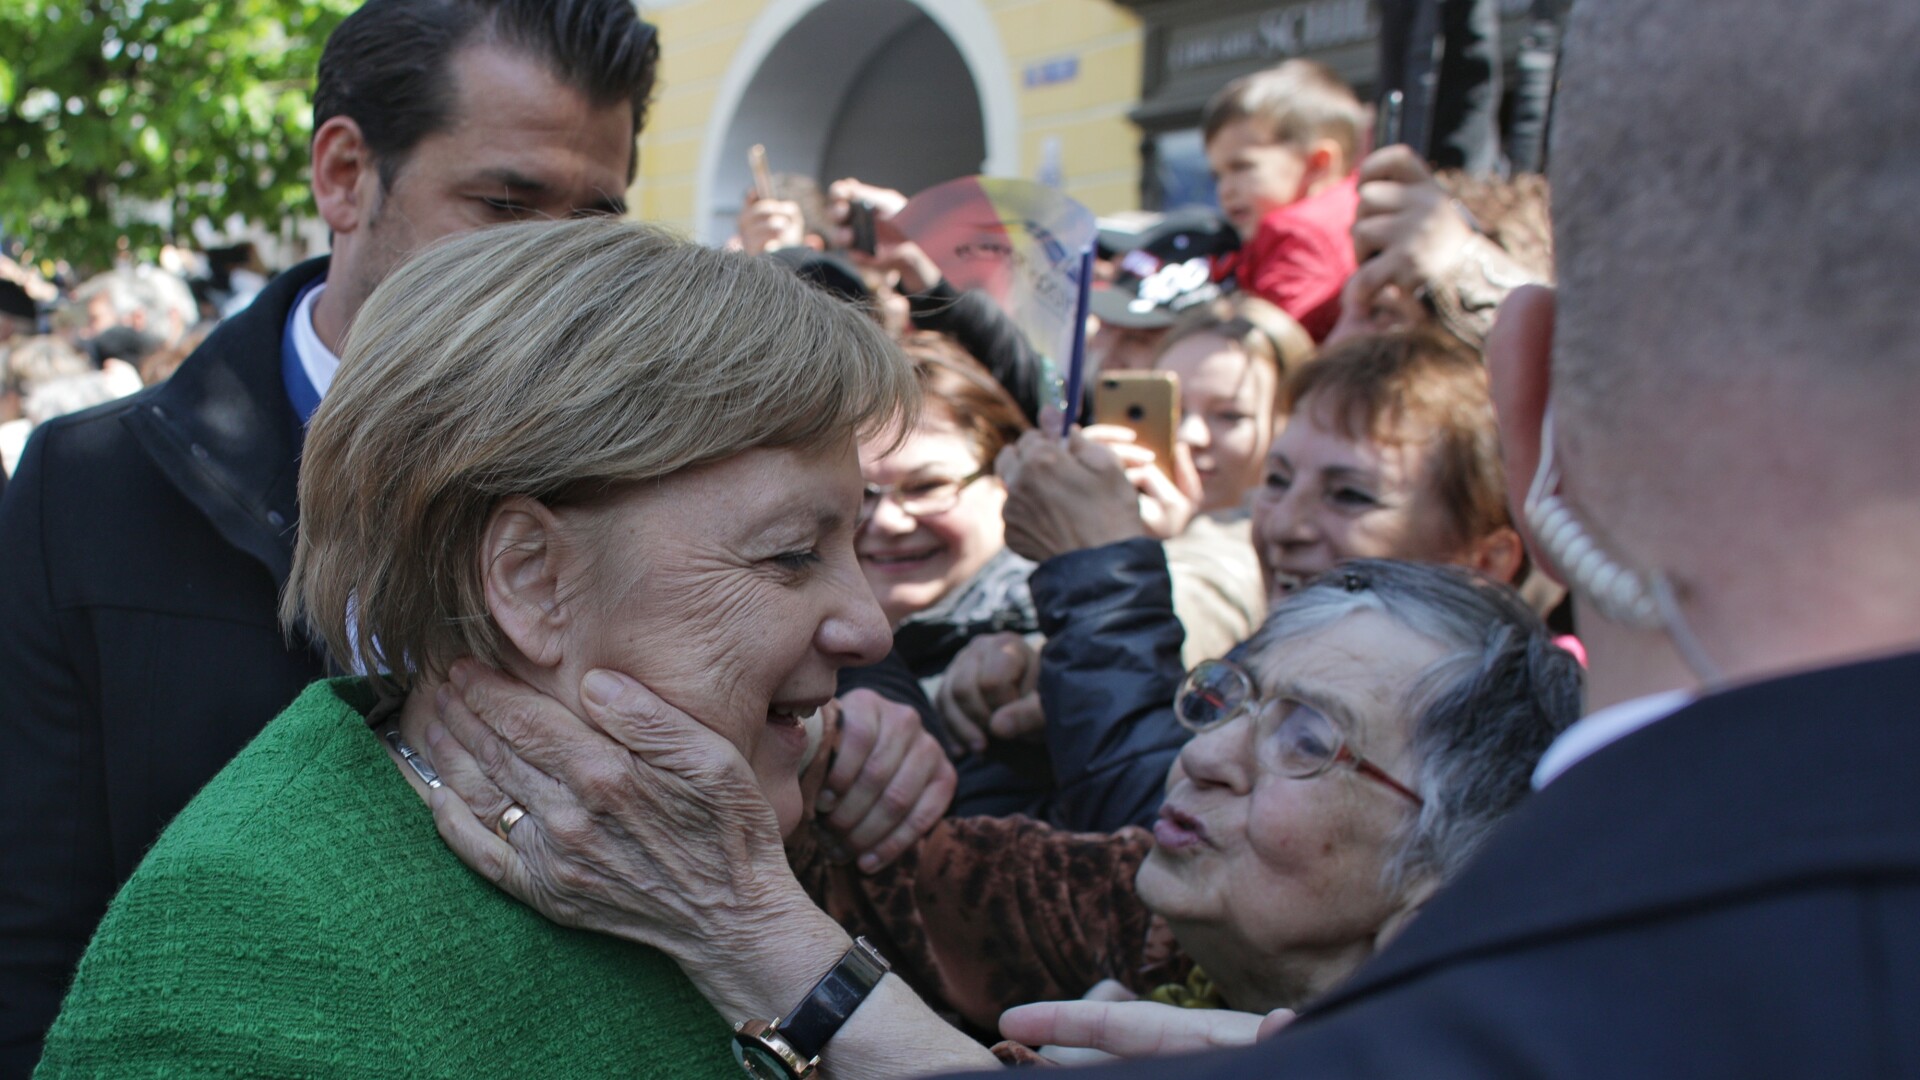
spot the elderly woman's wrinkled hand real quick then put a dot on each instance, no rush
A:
(1130, 1029)
(889, 782)
(1169, 490)
(1066, 496)
(639, 821)
(992, 686)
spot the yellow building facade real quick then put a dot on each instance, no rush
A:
(903, 93)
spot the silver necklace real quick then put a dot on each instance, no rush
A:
(385, 721)
(413, 758)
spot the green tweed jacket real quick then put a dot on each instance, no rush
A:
(302, 918)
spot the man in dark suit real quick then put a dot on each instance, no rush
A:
(1719, 875)
(146, 542)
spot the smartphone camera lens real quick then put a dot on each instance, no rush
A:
(1136, 413)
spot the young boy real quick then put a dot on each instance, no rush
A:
(1283, 145)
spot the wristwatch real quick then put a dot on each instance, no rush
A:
(789, 1048)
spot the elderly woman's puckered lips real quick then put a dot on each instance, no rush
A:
(1178, 830)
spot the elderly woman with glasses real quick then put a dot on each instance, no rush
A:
(1378, 726)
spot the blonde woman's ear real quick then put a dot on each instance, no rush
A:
(523, 571)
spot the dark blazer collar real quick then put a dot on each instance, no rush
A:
(1790, 780)
(223, 433)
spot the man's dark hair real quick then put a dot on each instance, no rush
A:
(389, 65)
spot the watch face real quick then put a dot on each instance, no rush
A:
(760, 1062)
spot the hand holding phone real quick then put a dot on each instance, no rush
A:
(865, 229)
(1390, 121)
(860, 225)
(1146, 405)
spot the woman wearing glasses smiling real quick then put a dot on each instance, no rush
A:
(931, 541)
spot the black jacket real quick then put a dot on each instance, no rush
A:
(1732, 892)
(143, 546)
(1008, 777)
(977, 323)
(995, 600)
(1108, 674)
(1107, 679)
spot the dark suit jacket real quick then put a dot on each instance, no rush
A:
(143, 546)
(1732, 892)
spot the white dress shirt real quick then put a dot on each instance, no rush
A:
(316, 359)
(1592, 733)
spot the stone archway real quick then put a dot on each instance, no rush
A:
(900, 92)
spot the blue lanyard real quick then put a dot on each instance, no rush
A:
(301, 393)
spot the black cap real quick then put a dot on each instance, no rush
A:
(14, 301)
(121, 343)
(829, 272)
(1169, 269)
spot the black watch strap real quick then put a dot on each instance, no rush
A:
(818, 1017)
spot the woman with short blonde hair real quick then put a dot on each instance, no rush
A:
(611, 356)
(565, 449)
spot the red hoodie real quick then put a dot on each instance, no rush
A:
(1301, 256)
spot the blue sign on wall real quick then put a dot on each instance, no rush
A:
(1049, 72)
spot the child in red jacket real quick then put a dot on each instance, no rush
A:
(1283, 145)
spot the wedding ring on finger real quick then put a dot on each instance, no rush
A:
(508, 819)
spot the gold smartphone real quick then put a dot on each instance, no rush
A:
(1146, 403)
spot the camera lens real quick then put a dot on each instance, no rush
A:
(1136, 412)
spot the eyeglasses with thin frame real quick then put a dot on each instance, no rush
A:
(917, 498)
(1293, 737)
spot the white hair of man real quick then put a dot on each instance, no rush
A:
(146, 298)
(1736, 350)
(70, 394)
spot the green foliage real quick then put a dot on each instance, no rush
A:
(117, 116)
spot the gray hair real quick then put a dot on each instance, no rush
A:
(1755, 247)
(146, 289)
(33, 362)
(69, 394)
(1482, 715)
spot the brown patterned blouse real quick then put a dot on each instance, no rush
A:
(983, 914)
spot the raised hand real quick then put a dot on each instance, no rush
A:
(1066, 496)
(992, 688)
(889, 782)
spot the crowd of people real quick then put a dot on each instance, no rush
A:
(526, 642)
(106, 336)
